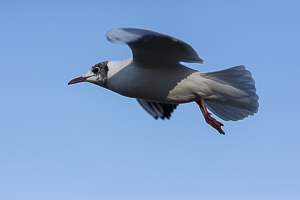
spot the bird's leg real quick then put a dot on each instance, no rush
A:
(209, 119)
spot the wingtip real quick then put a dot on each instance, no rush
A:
(199, 60)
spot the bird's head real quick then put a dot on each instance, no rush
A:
(97, 75)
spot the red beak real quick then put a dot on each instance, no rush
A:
(77, 80)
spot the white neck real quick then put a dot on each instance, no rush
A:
(115, 66)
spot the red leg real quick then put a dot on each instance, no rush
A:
(210, 120)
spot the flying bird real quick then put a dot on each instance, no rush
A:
(156, 77)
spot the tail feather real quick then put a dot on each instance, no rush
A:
(227, 113)
(240, 106)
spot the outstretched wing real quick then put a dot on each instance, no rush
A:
(157, 110)
(149, 47)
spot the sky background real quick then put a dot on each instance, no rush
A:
(85, 142)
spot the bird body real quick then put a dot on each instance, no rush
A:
(158, 80)
(168, 84)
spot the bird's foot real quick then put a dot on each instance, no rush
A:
(209, 119)
(214, 123)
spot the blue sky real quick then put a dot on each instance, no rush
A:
(85, 142)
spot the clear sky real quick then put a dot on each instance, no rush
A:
(84, 142)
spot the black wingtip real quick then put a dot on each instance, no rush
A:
(167, 109)
(158, 110)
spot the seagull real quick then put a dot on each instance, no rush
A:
(156, 77)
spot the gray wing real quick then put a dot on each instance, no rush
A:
(149, 47)
(157, 110)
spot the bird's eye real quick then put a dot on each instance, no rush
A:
(96, 70)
